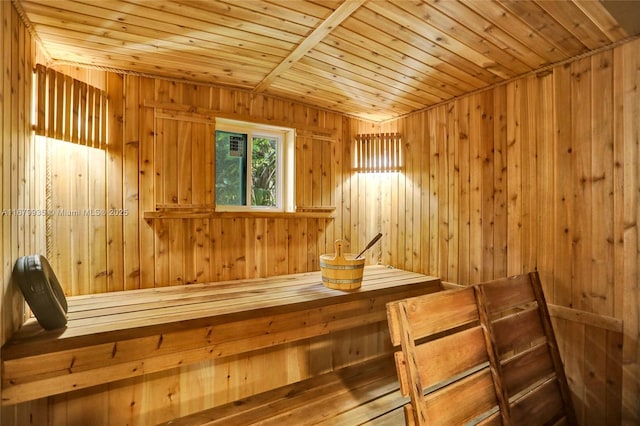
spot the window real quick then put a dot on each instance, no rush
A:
(254, 166)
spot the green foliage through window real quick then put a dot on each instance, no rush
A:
(232, 169)
(264, 161)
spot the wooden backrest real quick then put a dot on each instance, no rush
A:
(483, 354)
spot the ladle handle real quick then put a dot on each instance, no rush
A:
(371, 243)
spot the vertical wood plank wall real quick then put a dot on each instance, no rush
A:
(21, 180)
(541, 173)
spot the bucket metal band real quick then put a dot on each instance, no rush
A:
(341, 267)
(335, 281)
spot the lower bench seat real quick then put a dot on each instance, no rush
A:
(364, 393)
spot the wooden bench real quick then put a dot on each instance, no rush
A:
(115, 336)
(484, 354)
(365, 393)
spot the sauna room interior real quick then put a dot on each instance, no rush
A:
(482, 139)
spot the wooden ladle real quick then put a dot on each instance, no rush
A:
(371, 243)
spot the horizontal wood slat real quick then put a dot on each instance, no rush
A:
(473, 397)
(448, 310)
(527, 367)
(542, 405)
(445, 357)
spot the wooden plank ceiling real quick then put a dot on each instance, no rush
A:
(375, 59)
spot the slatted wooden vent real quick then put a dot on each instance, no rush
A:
(69, 109)
(377, 152)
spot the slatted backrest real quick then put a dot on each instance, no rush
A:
(531, 376)
(484, 354)
(443, 357)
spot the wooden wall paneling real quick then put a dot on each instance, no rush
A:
(62, 259)
(161, 254)
(354, 200)
(564, 143)
(581, 220)
(315, 168)
(125, 401)
(581, 182)
(196, 165)
(313, 260)
(306, 176)
(297, 252)
(442, 181)
(280, 253)
(167, 166)
(544, 206)
(595, 366)
(195, 379)
(158, 159)
(514, 177)
(226, 239)
(333, 227)
(422, 176)
(98, 190)
(215, 240)
(259, 248)
(464, 225)
(343, 230)
(411, 173)
(631, 206)
(476, 245)
(563, 158)
(161, 397)
(415, 127)
(201, 259)
(77, 402)
(500, 181)
(130, 182)
(23, 135)
(178, 239)
(453, 206)
(529, 128)
(402, 210)
(77, 198)
(146, 133)
(185, 139)
(114, 182)
(487, 187)
(601, 292)
(16, 140)
(431, 206)
(21, 181)
(248, 255)
(613, 376)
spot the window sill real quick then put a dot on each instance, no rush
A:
(199, 212)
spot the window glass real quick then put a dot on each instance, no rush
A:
(264, 171)
(231, 168)
(254, 166)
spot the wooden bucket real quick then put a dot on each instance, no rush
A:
(341, 271)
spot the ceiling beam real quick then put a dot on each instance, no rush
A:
(340, 14)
